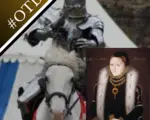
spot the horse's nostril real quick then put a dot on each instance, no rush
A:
(58, 116)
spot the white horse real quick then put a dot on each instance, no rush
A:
(61, 102)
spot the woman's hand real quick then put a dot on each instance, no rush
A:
(115, 119)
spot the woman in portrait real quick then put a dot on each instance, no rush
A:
(117, 95)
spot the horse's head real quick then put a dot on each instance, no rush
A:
(59, 87)
(63, 69)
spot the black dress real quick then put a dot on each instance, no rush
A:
(116, 105)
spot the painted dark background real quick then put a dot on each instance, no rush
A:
(139, 59)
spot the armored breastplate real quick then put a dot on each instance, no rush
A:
(74, 33)
(72, 28)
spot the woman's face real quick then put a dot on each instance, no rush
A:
(117, 66)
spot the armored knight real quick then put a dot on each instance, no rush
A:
(81, 30)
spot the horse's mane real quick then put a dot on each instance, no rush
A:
(56, 54)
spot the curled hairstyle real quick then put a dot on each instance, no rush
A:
(123, 56)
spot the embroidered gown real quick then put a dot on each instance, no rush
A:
(116, 105)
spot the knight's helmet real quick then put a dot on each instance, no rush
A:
(79, 8)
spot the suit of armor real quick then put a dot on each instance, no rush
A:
(85, 29)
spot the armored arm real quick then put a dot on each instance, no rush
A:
(94, 38)
(39, 34)
(97, 39)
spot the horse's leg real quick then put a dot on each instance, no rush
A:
(43, 112)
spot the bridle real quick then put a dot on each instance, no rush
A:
(42, 83)
(60, 95)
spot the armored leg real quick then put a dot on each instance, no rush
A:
(25, 94)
